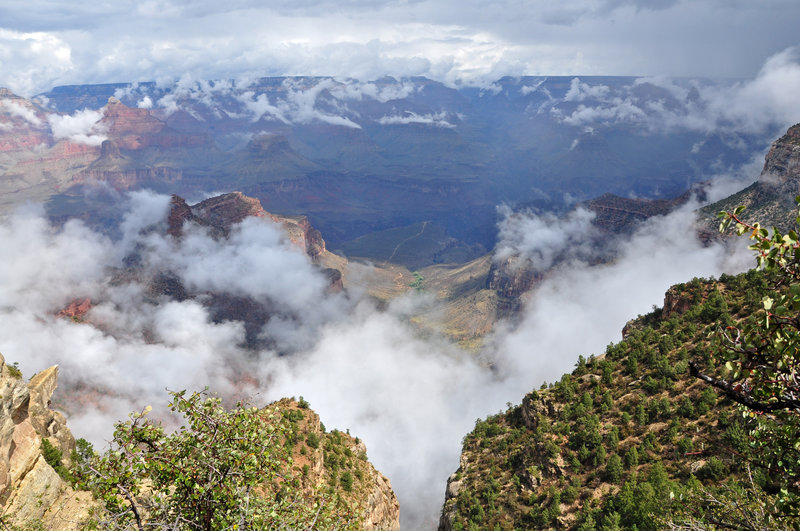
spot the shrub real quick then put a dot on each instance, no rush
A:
(204, 475)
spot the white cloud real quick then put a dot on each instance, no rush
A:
(255, 260)
(616, 111)
(388, 90)
(362, 369)
(260, 105)
(83, 127)
(301, 104)
(758, 106)
(404, 396)
(530, 89)
(545, 238)
(581, 309)
(32, 61)
(767, 99)
(438, 119)
(579, 91)
(46, 266)
(471, 42)
(15, 108)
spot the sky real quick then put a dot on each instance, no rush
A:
(45, 43)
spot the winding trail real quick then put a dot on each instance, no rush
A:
(417, 235)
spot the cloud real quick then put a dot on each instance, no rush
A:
(403, 395)
(387, 90)
(618, 111)
(580, 309)
(759, 106)
(83, 127)
(145, 103)
(371, 371)
(32, 60)
(545, 238)
(525, 90)
(752, 105)
(45, 266)
(298, 101)
(301, 104)
(15, 108)
(579, 91)
(472, 42)
(260, 105)
(437, 119)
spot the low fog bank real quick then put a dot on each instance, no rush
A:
(410, 398)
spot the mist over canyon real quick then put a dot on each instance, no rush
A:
(133, 291)
(410, 396)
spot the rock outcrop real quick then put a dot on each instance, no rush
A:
(621, 215)
(675, 303)
(782, 162)
(32, 493)
(134, 128)
(222, 212)
(76, 309)
(512, 277)
(22, 124)
(770, 200)
(219, 215)
(335, 453)
(30, 489)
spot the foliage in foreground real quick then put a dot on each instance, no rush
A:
(224, 469)
(637, 439)
(757, 362)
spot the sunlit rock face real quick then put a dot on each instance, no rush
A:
(30, 490)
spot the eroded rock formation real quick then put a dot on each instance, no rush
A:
(30, 489)
(783, 160)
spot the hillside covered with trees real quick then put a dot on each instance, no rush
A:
(689, 422)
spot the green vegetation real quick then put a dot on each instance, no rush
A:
(418, 284)
(14, 371)
(756, 363)
(630, 438)
(53, 457)
(224, 469)
(691, 422)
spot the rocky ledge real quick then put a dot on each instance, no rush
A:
(770, 200)
(30, 489)
(783, 160)
(222, 212)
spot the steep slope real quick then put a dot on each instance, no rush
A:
(770, 200)
(39, 449)
(622, 437)
(31, 491)
(219, 216)
(336, 459)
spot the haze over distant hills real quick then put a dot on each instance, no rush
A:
(362, 158)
